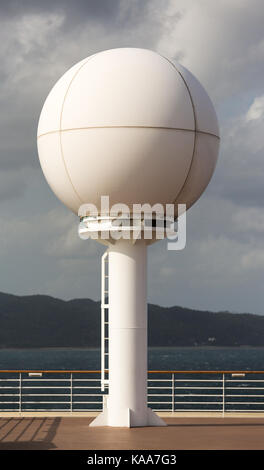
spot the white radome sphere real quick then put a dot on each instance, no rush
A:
(130, 124)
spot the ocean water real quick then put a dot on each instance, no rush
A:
(209, 358)
(52, 391)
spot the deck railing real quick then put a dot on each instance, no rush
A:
(170, 391)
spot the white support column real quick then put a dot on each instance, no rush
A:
(128, 333)
(127, 400)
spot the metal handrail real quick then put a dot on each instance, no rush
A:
(37, 371)
(210, 393)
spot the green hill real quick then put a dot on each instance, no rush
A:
(43, 321)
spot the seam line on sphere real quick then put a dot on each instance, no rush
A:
(195, 130)
(129, 127)
(194, 141)
(62, 109)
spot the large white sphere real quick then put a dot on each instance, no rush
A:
(130, 124)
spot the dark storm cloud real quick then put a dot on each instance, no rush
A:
(81, 9)
(113, 13)
(39, 41)
(114, 16)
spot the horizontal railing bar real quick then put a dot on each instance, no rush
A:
(206, 371)
(198, 395)
(150, 371)
(160, 388)
(9, 402)
(244, 388)
(209, 410)
(86, 403)
(243, 395)
(44, 379)
(162, 409)
(22, 371)
(160, 380)
(245, 411)
(84, 380)
(158, 402)
(49, 388)
(9, 380)
(45, 395)
(89, 410)
(198, 402)
(198, 380)
(245, 380)
(53, 409)
(9, 409)
(86, 387)
(9, 395)
(56, 395)
(89, 395)
(198, 388)
(200, 409)
(159, 395)
(47, 402)
(244, 403)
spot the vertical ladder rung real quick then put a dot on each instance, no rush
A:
(104, 323)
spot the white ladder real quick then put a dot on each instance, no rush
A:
(104, 319)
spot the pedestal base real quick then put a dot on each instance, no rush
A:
(126, 418)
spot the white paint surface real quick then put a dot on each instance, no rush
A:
(125, 123)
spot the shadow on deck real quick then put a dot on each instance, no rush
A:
(28, 433)
(74, 433)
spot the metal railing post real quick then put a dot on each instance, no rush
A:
(223, 407)
(173, 392)
(20, 392)
(71, 394)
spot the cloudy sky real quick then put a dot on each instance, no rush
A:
(222, 43)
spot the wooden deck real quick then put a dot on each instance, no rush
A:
(74, 433)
